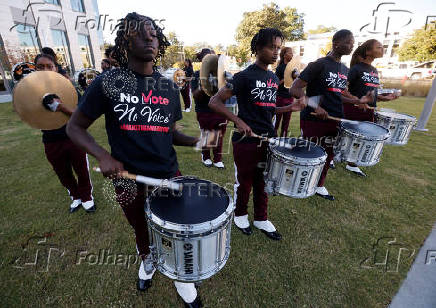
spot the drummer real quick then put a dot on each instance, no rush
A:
(62, 153)
(283, 96)
(362, 78)
(207, 118)
(326, 77)
(256, 90)
(139, 143)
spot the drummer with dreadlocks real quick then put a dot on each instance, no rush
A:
(141, 108)
(256, 90)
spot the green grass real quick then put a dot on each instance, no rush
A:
(317, 264)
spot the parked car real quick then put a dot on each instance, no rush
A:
(425, 70)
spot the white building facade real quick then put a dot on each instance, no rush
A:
(70, 27)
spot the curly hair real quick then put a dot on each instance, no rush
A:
(283, 51)
(263, 38)
(360, 53)
(127, 28)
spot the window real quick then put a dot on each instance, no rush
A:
(85, 51)
(56, 2)
(385, 46)
(61, 48)
(29, 46)
(395, 47)
(301, 51)
(77, 5)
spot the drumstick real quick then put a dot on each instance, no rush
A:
(337, 119)
(163, 183)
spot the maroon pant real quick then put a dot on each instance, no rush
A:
(282, 102)
(323, 133)
(135, 213)
(185, 95)
(64, 156)
(354, 113)
(250, 159)
(213, 121)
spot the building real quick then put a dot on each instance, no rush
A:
(70, 27)
(317, 45)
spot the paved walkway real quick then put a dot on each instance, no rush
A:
(419, 288)
(5, 98)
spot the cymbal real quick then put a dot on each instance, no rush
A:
(292, 65)
(209, 66)
(27, 99)
(222, 71)
(179, 77)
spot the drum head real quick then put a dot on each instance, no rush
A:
(300, 148)
(367, 129)
(199, 202)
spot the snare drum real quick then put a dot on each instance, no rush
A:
(295, 171)
(400, 126)
(190, 230)
(360, 143)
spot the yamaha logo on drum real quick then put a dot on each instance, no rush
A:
(366, 153)
(188, 258)
(303, 181)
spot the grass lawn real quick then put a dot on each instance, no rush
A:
(331, 254)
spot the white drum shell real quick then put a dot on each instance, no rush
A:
(190, 253)
(352, 147)
(400, 128)
(292, 176)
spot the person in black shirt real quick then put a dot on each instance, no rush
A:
(207, 118)
(284, 98)
(256, 90)
(141, 108)
(364, 78)
(185, 91)
(62, 153)
(327, 78)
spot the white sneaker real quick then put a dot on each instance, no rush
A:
(188, 110)
(265, 225)
(88, 204)
(146, 269)
(241, 221)
(355, 170)
(219, 165)
(207, 163)
(75, 203)
(332, 165)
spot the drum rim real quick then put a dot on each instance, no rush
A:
(381, 115)
(369, 138)
(287, 158)
(194, 229)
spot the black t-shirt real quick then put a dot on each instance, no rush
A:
(54, 135)
(189, 71)
(139, 111)
(256, 92)
(280, 72)
(363, 78)
(328, 78)
(202, 102)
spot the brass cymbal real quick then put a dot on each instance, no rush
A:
(293, 65)
(209, 68)
(27, 99)
(179, 78)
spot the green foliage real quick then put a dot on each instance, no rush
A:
(420, 47)
(173, 53)
(286, 20)
(321, 29)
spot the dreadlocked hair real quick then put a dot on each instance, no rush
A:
(360, 53)
(128, 27)
(264, 37)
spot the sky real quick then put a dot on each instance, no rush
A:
(215, 22)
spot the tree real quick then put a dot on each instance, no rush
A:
(321, 29)
(173, 53)
(421, 46)
(287, 20)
